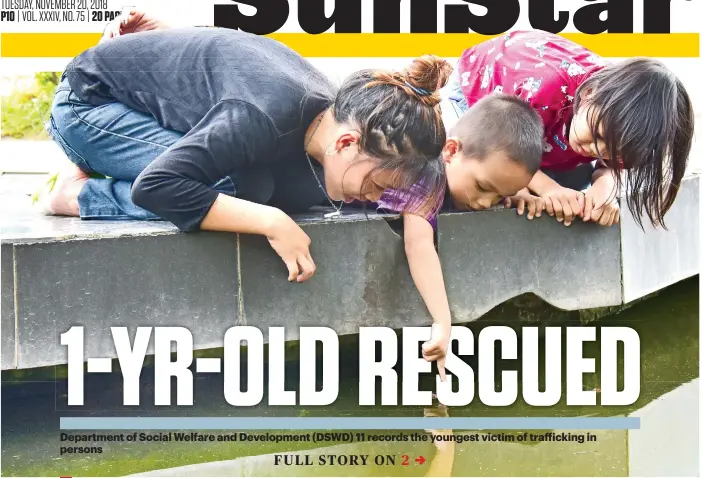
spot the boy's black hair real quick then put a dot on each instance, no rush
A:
(502, 122)
(647, 121)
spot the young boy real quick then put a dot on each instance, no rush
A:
(492, 153)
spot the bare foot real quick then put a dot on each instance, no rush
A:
(63, 199)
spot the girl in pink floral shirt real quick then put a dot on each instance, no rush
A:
(634, 115)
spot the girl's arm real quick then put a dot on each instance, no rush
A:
(425, 269)
(601, 205)
(600, 172)
(540, 184)
(564, 203)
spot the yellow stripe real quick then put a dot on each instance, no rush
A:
(37, 45)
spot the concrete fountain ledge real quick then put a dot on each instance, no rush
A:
(60, 272)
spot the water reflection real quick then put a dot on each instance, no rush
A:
(666, 445)
(668, 442)
(434, 457)
(444, 442)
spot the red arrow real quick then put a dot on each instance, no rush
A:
(420, 460)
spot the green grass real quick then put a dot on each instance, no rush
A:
(25, 111)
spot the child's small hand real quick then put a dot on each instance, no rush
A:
(436, 348)
(564, 203)
(534, 204)
(601, 204)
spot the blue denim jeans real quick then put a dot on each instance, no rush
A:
(454, 94)
(453, 105)
(114, 141)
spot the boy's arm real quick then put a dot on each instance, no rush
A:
(425, 269)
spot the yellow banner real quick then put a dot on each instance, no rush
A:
(679, 45)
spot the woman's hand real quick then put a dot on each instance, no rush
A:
(293, 246)
(534, 204)
(601, 204)
(564, 203)
(131, 21)
(230, 214)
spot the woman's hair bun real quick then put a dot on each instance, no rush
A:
(426, 75)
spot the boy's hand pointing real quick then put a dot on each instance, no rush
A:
(436, 348)
(525, 200)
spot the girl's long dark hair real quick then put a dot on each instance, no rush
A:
(647, 124)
